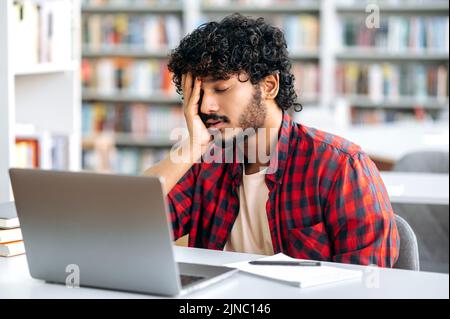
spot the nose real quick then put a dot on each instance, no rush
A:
(208, 104)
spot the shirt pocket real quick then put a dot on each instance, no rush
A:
(310, 242)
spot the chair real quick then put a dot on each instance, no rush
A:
(423, 162)
(409, 250)
(430, 222)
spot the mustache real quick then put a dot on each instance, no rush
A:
(214, 117)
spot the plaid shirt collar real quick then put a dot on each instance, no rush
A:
(278, 160)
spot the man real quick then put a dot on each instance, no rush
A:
(318, 197)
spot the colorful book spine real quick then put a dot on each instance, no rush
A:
(121, 75)
(140, 120)
(149, 32)
(393, 81)
(397, 34)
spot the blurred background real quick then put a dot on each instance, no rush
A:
(84, 86)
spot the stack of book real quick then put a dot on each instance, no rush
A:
(11, 243)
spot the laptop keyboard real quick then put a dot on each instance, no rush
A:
(188, 279)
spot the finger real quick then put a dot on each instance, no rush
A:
(188, 83)
(183, 79)
(195, 97)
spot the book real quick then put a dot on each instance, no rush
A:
(27, 152)
(147, 121)
(413, 34)
(298, 276)
(8, 215)
(12, 249)
(10, 235)
(393, 80)
(137, 77)
(148, 32)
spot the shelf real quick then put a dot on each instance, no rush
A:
(124, 97)
(44, 68)
(124, 51)
(136, 9)
(307, 100)
(127, 139)
(279, 8)
(130, 52)
(383, 55)
(404, 9)
(406, 102)
(313, 55)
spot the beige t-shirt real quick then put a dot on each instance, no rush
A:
(250, 232)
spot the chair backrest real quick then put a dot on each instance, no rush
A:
(409, 249)
(430, 222)
(423, 162)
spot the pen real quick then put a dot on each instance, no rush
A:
(285, 263)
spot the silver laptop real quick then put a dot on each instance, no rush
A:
(111, 231)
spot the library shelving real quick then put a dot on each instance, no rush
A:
(331, 45)
(40, 98)
(101, 45)
(124, 50)
(397, 70)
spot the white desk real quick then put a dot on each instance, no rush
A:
(417, 188)
(15, 282)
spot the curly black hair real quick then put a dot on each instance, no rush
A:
(235, 44)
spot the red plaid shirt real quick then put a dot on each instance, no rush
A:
(326, 201)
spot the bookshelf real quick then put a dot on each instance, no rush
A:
(129, 41)
(191, 13)
(401, 67)
(40, 101)
(318, 82)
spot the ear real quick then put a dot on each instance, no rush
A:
(271, 85)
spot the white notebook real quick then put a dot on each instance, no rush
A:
(298, 276)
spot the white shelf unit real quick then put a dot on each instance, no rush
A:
(43, 96)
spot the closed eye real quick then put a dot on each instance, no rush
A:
(220, 90)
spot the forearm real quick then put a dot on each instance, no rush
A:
(175, 165)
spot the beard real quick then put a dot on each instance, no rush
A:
(255, 113)
(251, 119)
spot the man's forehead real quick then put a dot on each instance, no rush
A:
(211, 79)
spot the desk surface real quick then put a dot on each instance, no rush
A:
(417, 188)
(15, 282)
